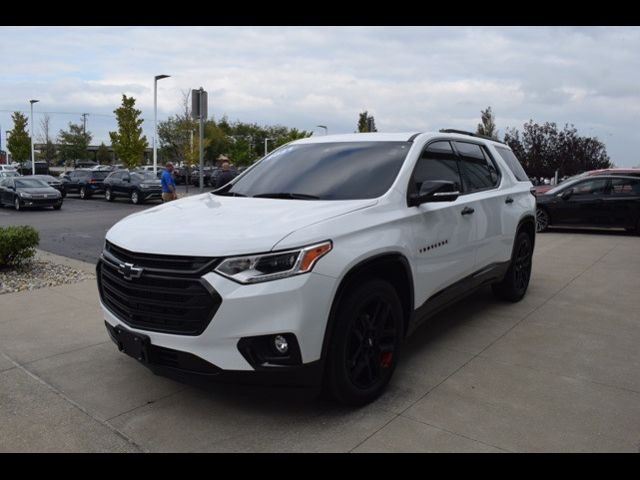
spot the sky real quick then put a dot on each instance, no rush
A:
(408, 78)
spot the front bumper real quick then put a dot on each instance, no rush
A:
(296, 305)
(38, 202)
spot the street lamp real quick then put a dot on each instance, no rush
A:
(326, 130)
(265, 145)
(33, 158)
(155, 121)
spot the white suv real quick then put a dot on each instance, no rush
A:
(312, 266)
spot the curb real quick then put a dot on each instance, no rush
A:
(70, 262)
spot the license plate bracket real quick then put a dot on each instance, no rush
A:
(133, 344)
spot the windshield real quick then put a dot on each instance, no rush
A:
(30, 183)
(325, 171)
(143, 176)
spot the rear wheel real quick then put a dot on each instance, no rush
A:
(108, 195)
(135, 197)
(542, 220)
(365, 343)
(516, 281)
(83, 193)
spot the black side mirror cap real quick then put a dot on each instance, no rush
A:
(434, 191)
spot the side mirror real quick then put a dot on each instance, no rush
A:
(567, 194)
(434, 191)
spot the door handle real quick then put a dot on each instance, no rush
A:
(467, 211)
(508, 200)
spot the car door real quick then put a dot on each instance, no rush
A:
(481, 180)
(582, 203)
(622, 202)
(443, 235)
(4, 190)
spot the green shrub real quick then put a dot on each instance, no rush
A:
(17, 245)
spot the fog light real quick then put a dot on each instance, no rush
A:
(281, 344)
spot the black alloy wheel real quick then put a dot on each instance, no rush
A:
(516, 281)
(366, 343)
(542, 220)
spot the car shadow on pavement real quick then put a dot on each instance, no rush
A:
(592, 231)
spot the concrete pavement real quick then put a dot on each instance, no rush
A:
(558, 371)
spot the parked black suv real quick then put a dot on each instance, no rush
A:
(137, 186)
(84, 182)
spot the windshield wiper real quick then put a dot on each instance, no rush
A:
(230, 194)
(294, 196)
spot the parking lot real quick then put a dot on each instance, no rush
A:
(78, 229)
(558, 371)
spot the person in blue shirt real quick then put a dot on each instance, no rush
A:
(168, 185)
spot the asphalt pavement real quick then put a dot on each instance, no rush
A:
(78, 229)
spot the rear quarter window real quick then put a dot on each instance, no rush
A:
(513, 163)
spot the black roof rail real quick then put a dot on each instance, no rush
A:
(462, 132)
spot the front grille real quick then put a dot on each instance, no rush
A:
(162, 299)
(171, 264)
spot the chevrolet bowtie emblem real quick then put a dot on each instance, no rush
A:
(128, 271)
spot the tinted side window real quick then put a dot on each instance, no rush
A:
(513, 163)
(437, 162)
(591, 187)
(478, 171)
(625, 187)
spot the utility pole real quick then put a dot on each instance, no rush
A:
(199, 110)
(84, 123)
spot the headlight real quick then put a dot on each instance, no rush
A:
(271, 266)
(25, 195)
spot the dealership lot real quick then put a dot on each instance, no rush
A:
(78, 229)
(558, 371)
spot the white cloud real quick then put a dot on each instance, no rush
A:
(410, 78)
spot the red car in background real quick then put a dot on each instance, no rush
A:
(634, 172)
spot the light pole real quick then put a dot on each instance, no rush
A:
(33, 158)
(265, 145)
(155, 121)
(326, 130)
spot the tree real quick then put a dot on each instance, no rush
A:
(176, 136)
(128, 143)
(19, 142)
(543, 149)
(102, 155)
(73, 143)
(48, 152)
(366, 123)
(487, 126)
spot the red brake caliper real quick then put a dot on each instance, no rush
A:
(385, 361)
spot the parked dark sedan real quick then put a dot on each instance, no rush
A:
(84, 182)
(603, 201)
(52, 182)
(22, 192)
(138, 186)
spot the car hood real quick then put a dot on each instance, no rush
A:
(38, 190)
(214, 225)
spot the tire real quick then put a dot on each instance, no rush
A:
(135, 197)
(83, 193)
(365, 344)
(516, 281)
(16, 204)
(542, 220)
(108, 196)
(57, 207)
